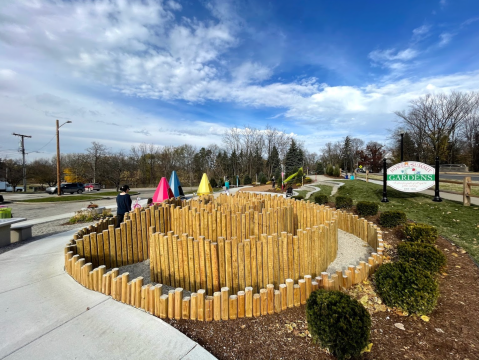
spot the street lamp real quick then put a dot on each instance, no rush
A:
(59, 191)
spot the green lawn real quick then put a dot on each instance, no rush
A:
(324, 189)
(458, 223)
(107, 193)
(61, 198)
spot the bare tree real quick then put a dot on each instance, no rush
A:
(436, 117)
(96, 151)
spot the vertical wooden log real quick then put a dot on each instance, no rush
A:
(241, 266)
(224, 303)
(181, 268)
(277, 301)
(247, 262)
(191, 264)
(222, 266)
(157, 295)
(129, 242)
(217, 306)
(249, 301)
(241, 304)
(186, 308)
(264, 301)
(202, 262)
(124, 286)
(214, 267)
(259, 256)
(290, 290)
(270, 291)
(256, 305)
(194, 306)
(233, 307)
(201, 305)
(228, 264)
(302, 290)
(164, 306)
(209, 308)
(234, 263)
(196, 247)
(111, 232)
(284, 296)
(184, 246)
(171, 304)
(297, 296)
(144, 232)
(308, 280)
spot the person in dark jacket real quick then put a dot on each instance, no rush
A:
(123, 202)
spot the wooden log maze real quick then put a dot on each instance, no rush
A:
(234, 256)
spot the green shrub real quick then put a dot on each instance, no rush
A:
(321, 199)
(329, 170)
(422, 233)
(298, 197)
(262, 178)
(343, 202)
(268, 182)
(336, 171)
(367, 208)
(299, 184)
(407, 286)
(308, 180)
(213, 183)
(247, 180)
(337, 322)
(392, 218)
(425, 256)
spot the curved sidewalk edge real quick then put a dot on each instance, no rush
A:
(47, 315)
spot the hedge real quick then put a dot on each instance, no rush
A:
(422, 233)
(392, 218)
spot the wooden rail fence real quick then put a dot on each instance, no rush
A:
(243, 255)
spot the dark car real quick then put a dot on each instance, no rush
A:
(67, 188)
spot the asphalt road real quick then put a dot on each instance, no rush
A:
(457, 177)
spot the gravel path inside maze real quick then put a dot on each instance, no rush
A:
(351, 250)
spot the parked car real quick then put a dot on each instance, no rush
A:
(5, 186)
(361, 170)
(93, 186)
(67, 188)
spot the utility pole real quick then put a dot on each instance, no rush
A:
(23, 154)
(59, 185)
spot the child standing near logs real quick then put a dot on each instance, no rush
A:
(123, 203)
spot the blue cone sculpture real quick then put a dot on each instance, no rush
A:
(175, 185)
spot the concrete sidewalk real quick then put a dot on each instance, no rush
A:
(45, 314)
(443, 195)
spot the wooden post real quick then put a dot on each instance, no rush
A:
(308, 280)
(217, 306)
(186, 308)
(264, 301)
(270, 289)
(178, 303)
(171, 304)
(138, 286)
(201, 305)
(256, 305)
(290, 291)
(224, 303)
(302, 290)
(277, 301)
(163, 306)
(151, 299)
(124, 286)
(157, 295)
(144, 297)
(249, 301)
(194, 306)
(214, 265)
(297, 296)
(233, 307)
(284, 296)
(467, 191)
(241, 304)
(209, 308)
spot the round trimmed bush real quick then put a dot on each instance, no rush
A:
(425, 256)
(321, 199)
(338, 323)
(344, 202)
(407, 286)
(247, 180)
(392, 218)
(422, 233)
(367, 208)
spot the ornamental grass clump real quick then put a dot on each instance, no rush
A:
(344, 202)
(367, 208)
(321, 199)
(407, 287)
(426, 256)
(392, 218)
(421, 233)
(338, 323)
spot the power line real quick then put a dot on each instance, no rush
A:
(43, 145)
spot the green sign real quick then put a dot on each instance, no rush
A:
(411, 176)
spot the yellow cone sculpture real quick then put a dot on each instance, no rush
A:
(205, 186)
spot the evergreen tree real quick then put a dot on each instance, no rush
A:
(294, 158)
(347, 154)
(319, 168)
(273, 163)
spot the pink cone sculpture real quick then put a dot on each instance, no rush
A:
(163, 192)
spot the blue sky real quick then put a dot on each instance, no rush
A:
(174, 72)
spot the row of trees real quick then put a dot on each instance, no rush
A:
(248, 153)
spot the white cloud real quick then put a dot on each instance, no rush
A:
(392, 54)
(421, 30)
(445, 38)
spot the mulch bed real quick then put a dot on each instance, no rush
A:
(450, 333)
